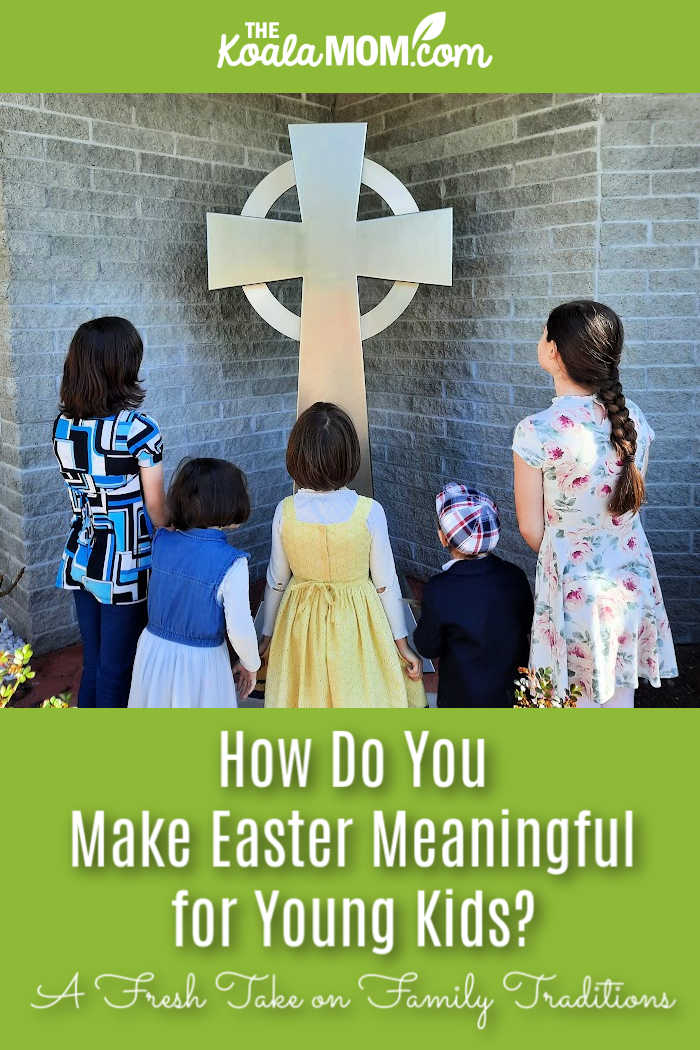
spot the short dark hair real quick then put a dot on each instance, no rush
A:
(323, 452)
(101, 370)
(205, 493)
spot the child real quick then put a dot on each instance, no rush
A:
(198, 594)
(332, 595)
(110, 456)
(579, 484)
(477, 612)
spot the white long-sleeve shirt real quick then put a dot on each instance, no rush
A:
(233, 595)
(330, 508)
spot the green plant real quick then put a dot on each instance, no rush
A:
(16, 669)
(62, 700)
(536, 689)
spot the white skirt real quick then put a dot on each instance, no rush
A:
(170, 674)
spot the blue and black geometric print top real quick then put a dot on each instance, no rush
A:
(108, 552)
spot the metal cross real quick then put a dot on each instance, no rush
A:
(329, 249)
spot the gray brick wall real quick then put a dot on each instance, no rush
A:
(102, 202)
(648, 271)
(554, 197)
(104, 198)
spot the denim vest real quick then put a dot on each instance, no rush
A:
(188, 568)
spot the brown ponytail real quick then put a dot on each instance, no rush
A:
(589, 339)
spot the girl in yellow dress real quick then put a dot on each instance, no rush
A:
(334, 619)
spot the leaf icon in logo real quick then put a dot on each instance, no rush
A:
(430, 27)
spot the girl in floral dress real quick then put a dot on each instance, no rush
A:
(600, 620)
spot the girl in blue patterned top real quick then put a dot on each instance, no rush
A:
(110, 456)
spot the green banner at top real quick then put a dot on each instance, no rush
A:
(416, 45)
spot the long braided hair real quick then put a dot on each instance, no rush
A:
(589, 339)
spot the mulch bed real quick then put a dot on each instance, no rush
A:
(54, 673)
(60, 671)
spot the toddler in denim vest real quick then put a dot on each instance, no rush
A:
(198, 596)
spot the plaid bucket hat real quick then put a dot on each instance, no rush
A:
(468, 518)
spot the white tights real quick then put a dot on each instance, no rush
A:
(622, 697)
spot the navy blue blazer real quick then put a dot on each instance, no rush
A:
(476, 617)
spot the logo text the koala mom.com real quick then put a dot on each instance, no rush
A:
(263, 45)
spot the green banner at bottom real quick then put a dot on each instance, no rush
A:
(490, 878)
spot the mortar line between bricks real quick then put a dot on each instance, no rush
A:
(656, 171)
(552, 133)
(451, 111)
(549, 133)
(425, 181)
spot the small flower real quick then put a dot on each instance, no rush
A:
(555, 453)
(629, 584)
(578, 483)
(536, 689)
(575, 595)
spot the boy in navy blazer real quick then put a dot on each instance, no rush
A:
(477, 613)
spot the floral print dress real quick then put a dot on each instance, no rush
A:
(599, 618)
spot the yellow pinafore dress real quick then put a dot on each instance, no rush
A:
(332, 645)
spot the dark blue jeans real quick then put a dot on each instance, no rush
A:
(110, 634)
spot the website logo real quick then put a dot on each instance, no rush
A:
(260, 43)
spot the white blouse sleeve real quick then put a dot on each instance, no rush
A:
(645, 436)
(234, 596)
(527, 445)
(279, 574)
(383, 570)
